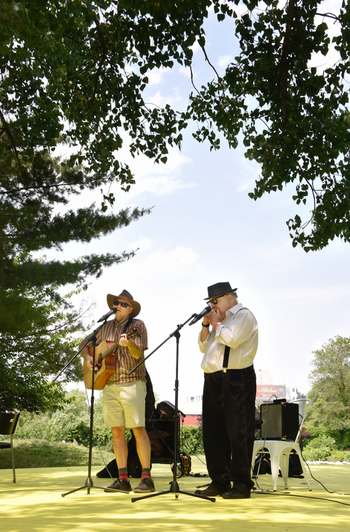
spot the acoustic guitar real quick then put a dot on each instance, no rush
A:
(105, 362)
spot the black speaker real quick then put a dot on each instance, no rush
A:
(279, 421)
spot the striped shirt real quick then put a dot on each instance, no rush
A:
(111, 332)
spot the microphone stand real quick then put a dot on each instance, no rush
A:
(89, 483)
(174, 486)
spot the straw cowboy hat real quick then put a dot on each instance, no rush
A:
(136, 307)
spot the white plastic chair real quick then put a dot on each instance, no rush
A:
(280, 450)
(8, 424)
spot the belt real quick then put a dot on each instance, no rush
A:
(241, 371)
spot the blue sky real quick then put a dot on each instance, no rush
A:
(205, 229)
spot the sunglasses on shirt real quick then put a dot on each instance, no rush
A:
(116, 302)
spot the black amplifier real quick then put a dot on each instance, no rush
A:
(279, 421)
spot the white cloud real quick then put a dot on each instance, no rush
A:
(173, 262)
(185, 71)
(142, 244)
(160, 100)
(196, 48)
(224, 60)
(156, 75)
(157, 179)
(310, 295)
(159, 185)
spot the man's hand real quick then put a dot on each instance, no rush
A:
(124, 341)
(213, 317)
(134, 350)
(86, 354)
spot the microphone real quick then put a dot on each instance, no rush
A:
(200, 315)
(112, 311)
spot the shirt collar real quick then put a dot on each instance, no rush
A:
(233, 310)
(122, 323)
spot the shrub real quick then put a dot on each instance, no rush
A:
(191, 440)
(319, 449)
(336, 456)
(70, 423)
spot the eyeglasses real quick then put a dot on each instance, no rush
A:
(116, 302)
(215, 299)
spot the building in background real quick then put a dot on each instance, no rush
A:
(192, 408)
(295, 393)
(267, 391)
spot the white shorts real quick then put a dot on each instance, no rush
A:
(124, 404)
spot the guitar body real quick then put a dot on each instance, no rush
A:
(105, 366)
(105, 362)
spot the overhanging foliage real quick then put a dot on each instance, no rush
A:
(73, 73)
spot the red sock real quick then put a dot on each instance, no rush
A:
(123, 473)
(146, 473)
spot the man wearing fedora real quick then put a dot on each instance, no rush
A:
(124, 395)
(229, 341)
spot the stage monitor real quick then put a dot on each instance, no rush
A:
(279, 421)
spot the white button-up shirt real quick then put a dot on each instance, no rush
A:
(239, 330)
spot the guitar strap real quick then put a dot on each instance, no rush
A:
(124, 332)
(227, 349)
(149, 394)
(127, 325)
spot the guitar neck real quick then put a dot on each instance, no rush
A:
(115, 346)
(109, 351)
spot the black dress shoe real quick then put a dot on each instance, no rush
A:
(121, 484)
(237, 493)
(212, 490)
(146, 486)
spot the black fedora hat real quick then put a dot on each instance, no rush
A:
(136, 307)
(219, 289)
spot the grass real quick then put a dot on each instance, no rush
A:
(39, 453)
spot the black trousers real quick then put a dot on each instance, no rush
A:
(229, 425)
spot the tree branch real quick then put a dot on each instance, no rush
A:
(13, 143)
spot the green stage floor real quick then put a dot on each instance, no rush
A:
(35, 503)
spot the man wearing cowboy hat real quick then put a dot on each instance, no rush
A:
(124, 394)
(229, 348)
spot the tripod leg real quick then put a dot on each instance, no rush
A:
(176, 493)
